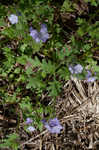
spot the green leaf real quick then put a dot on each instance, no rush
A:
(54, 88)
(29, 70)
(64, 73)
(86, 47)
(10, 32)
(48, 67)
(23, 47)
(11, 142)
(19, 26)
(67, 6)
(96, 68)
(25, 105)
(22, 59)
(17, 70)
(79, 21)
(35, 82)
(2, 22)
(80, 31)
(35, 62)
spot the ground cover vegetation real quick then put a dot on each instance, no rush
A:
(43, 45)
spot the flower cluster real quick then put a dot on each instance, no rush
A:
(76, 69)
(13, 19)
(53, 125)
(39, 36)
(89, 77)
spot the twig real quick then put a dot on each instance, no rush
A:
(34, 138)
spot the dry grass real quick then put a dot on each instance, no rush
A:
(78, 111)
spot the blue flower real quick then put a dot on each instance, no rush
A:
(29, 121)
(13, 19)
(31, 129)
(53, 125)
(89, 74)
(35, 35)
(30, 29)
(89, 77)
(43, 29)
(44, 33)
(76, 69)
(39, 36)
(71, 69)
(44, 37)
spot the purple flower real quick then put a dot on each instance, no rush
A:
(37, 39)
(44, 33)
(89, 74)
(89, 77)
(71, 69)
(39, 36)
(34, 33)
(43, 29)
(76, 69)
(31, 129)
(44, 37)
(29, 121)
(53, 125)
(13, 19)
(30, 29)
